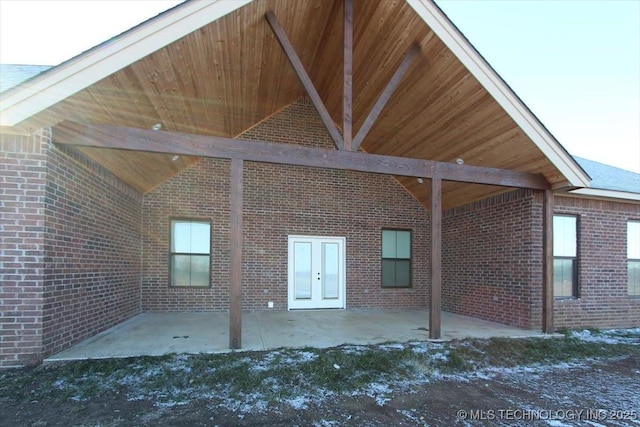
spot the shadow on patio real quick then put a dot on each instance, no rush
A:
(154, 334)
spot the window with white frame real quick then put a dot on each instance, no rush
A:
(190, 257)
(633, 258)
(565, 256)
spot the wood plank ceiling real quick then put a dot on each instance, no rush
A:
(231, 74)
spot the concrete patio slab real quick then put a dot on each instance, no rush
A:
(154, 334)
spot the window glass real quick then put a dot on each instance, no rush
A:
(403, 273)
(180, 237)
(565, 250)
(563, 277)
(389, 244)
(633, 272)
(403, 244)
(633, 240)
(564, 236)
(200, 238)
(180, 270)
(396, 258)
(190, 263)
(633, 258)
(388, 273)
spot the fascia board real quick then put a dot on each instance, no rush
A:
(606, 194)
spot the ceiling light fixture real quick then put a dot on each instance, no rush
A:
(175, 158)
(460, 161)
(420, 180)
(157, 126)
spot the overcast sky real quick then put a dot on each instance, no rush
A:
(576, 64)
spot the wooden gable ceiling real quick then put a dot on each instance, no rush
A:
(229, 75)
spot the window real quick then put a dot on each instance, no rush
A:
(396, 258)
(565, 250)
(633, 258)
(190, 262)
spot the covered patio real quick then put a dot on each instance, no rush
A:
(156, 334)
(199, 116)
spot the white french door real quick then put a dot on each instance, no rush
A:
(316, 272)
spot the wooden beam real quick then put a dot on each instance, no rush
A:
(235, 269)
(107, 136)
(347, 86)
(384, 96)
(305, 80)
(547, 261)
(436, 259)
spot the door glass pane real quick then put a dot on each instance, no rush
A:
(330, 270)
(388, 272)
(302, 270)
(403, 245)
(199, 270)
(403, 273)
(388, 244)
(180, 270)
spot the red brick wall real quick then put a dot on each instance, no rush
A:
(280, 201)
(93, 250)
(492, 266)
(22, 190)
(492, 260)
(602, 266)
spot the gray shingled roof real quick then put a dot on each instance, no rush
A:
(12, 75)
(605, 177)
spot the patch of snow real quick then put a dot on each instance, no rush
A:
(306, 356)
(325, 423)
(393, 346)
(354, 349)
(417, 420)
(422, 347)
(60, 384)
(441, 356)
(298, 403)
(556, 423)
(378, 392)
(611, 336)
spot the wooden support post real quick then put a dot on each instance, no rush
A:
(436, 258)
(235, 269)
(347, 86)
(547, 262)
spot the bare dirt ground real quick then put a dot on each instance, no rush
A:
(600, 391)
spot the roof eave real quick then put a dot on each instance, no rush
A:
(606, 194)
(500, 91)
(103, 60)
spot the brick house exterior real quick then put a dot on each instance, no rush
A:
(84, 249)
